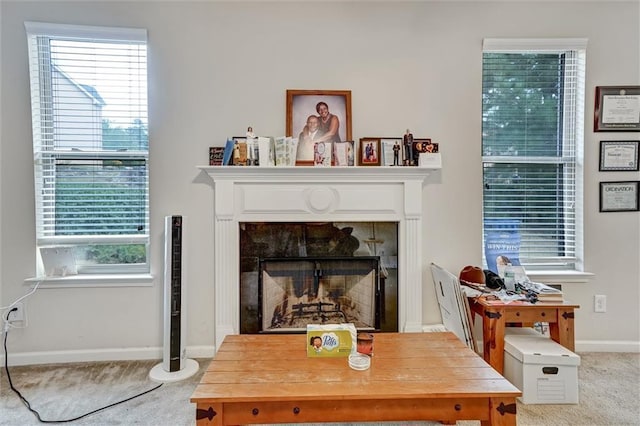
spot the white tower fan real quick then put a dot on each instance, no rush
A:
(175, 365)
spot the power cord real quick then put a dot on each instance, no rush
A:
(28, 405)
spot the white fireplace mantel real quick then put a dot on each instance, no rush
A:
(316, 194)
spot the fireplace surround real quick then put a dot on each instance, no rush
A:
(316, 194)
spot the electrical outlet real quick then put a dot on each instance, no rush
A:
(600, 303)
(17, 315)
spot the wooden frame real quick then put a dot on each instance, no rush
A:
(617, 109)
(619, 196)
(303, 103)
(619, 156)
(369, 152)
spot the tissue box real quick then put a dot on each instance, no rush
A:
(545, 371)
(331, 340)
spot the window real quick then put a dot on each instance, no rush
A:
(90, 144)
(532, 135)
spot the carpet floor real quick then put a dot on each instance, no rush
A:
(609, 389)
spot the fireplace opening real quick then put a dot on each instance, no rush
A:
(295, 292)
(298, 273)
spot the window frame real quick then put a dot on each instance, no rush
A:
(576, 46)
(39, 37)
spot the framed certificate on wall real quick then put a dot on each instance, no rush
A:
(619, 156)
(617, 108)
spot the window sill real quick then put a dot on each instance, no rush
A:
(560, 277)
(103, 280)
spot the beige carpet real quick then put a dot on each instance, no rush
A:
(609, 395)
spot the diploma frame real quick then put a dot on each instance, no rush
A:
(619, 196)
(621, 116)
(619, 156)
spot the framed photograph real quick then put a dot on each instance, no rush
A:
(318, 116)
(344, 153)
(369, 152)
(619, 156)
(392, 149)
(619, 196)
(617, 108)
(247, 154)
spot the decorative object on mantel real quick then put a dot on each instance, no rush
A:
(331, 109)
(617, 108)
(216, 155)
(344, 153)
(407, 141)
(369, 152)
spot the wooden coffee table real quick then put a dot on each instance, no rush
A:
(413, 376)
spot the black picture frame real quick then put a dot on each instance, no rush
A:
(617, 109)
(619, 156)
(619, 196)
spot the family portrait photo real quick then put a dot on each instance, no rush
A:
(315, 116)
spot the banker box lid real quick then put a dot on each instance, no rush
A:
(538, 350)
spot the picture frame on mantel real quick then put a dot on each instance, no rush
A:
(369, 152)
(303, 104)
(617, 109)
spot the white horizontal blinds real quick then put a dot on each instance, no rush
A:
(531, 117)
(89, 107)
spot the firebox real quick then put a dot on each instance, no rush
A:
(298, 273)
(295, 292)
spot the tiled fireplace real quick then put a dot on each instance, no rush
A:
(316, 195)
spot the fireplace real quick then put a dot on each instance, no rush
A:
(298, 273)
(316, 195)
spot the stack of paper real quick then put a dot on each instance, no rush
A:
(546, 293)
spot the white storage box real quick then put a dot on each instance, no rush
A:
(545, 371)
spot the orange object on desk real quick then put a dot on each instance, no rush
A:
(496, 315)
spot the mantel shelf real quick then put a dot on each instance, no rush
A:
(327, 174)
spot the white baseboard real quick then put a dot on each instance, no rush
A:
(97, 355)
(607, 346)
(127, 354)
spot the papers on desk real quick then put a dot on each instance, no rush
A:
(454, 305)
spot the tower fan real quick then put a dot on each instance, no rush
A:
(175, 365)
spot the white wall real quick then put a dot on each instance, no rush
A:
(217, 67)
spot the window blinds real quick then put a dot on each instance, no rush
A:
(90, 133)
(532, 121)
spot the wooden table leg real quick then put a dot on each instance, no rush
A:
(209, 414)
(562, 331)
(493, 324)
(502, 412)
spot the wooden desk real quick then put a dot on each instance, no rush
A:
(495, 315)
(413, 376)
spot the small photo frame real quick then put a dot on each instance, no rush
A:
(392, 150)
(619, 196)
(322, 154)
(344, 154)
(619, 156)
(369, 152)
(617, 109)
